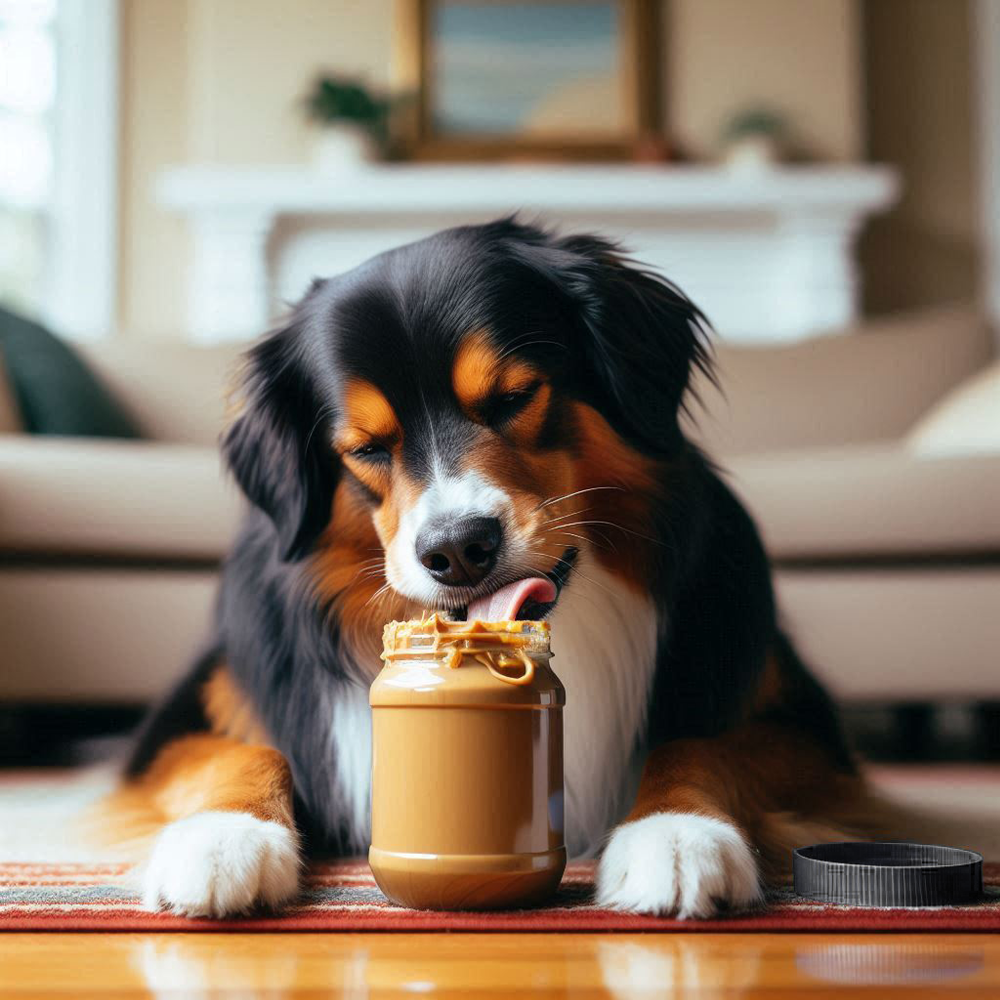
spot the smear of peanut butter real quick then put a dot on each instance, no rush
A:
(498, 646)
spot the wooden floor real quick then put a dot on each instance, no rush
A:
(498, 965)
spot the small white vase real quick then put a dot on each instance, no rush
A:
(342, 146)
(752, 153)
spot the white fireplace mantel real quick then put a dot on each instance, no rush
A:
(768, 255)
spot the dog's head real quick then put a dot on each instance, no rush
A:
(467, 412)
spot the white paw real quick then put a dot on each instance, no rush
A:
(677, 863)
(215, 864)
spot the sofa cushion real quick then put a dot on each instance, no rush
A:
(965, 422)
(114, 499)
(875, 500)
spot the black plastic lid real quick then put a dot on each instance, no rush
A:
(887, 874)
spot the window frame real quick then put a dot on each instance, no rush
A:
(81, 283)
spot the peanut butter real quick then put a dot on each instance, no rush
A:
(467, 778)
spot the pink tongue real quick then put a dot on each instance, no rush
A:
(507, 601)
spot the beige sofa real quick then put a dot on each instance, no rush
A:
(888, 558)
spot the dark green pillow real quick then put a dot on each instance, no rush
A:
(55, 391)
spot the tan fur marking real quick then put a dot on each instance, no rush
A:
(475, 369)
(193, 774)
(374, 476)
(514, 374)
(480, 371)
(348, 571)
(229, 711)
(528, 423)
(367, 416)
(623, 487)
(200, 773)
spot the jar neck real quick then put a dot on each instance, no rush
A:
(502, 647)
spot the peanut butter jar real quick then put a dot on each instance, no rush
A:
(467, 769)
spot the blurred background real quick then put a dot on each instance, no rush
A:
(821, 176)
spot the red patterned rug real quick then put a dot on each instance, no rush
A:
(344, 897)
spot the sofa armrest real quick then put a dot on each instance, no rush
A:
(862, 502)
(173, 391)
(111, 499)
(870, 383)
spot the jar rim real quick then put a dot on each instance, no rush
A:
(435, 634)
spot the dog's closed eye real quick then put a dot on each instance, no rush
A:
(370, 451)
(504, 407)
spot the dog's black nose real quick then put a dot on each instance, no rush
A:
(460, 553)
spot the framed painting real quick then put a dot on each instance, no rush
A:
(501, 79)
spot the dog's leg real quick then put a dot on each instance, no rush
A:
(712, 815)
(226, 840)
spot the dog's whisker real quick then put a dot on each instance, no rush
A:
(620, 527)
(570, 513)
(378, 595)
(324, 412)
(576, 493)
(573, 534)
(522, 342)
(583, 538)
(577, 572)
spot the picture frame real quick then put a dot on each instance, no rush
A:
(461, 62)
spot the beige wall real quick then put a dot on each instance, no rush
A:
(218, 81)
(921, 117)
(800, 57)
(153, 245)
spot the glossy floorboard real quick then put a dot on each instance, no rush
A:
(498, 965)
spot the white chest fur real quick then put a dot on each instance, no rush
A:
(351, 735)
(604, 639)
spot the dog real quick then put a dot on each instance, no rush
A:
(493, 404)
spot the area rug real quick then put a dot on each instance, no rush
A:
(344, 897)
(48, 883)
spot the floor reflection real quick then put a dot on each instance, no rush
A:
(173, 965)
(624, 967)
(878, 964)
(638, 968)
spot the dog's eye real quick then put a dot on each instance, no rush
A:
(369, 452)
(507, 405)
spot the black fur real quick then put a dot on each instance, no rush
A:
(180, 712)
(273, 450)
(617, 337)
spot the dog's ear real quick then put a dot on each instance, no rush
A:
(278, 449)
(642, 336)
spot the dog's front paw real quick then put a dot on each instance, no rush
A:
(677, 863)
(216, 864)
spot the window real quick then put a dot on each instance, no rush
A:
(27, 95)
(58, 144)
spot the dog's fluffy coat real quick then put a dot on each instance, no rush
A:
(495, 369)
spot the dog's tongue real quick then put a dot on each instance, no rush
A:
(505, 604)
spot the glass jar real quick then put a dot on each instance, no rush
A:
(467, 769)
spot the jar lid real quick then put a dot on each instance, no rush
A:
(892, 873)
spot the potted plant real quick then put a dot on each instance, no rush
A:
(755, 138)
(353, 121)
